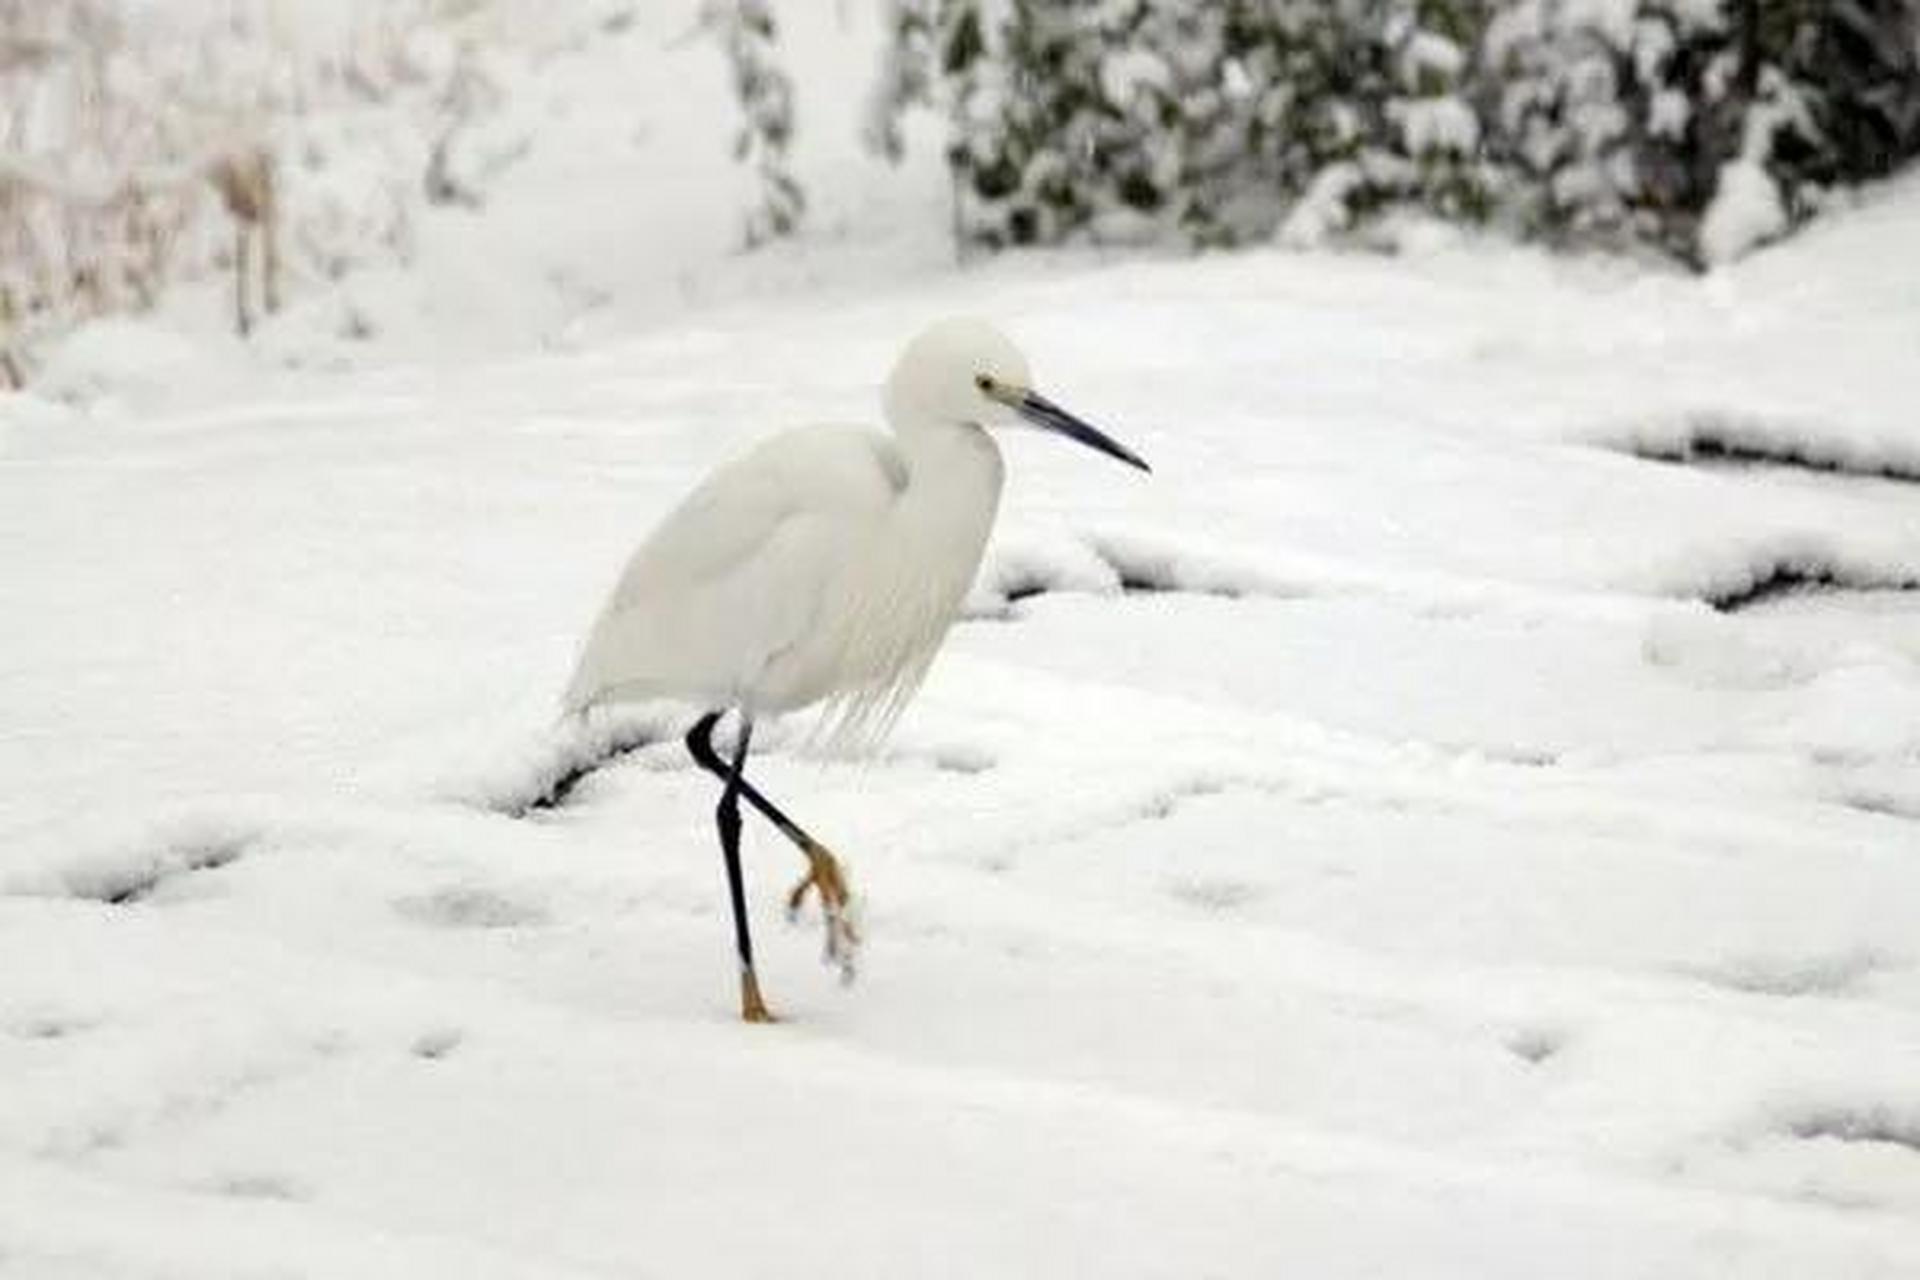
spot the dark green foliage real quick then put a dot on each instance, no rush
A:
(1816, 93)
(1219, 121)
(1858, 59)
(1130, 119)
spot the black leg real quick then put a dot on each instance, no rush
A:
(700, 743)
(727, 819)
(824, 873)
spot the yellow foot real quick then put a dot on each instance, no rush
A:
(752, 1007)
(825, 875)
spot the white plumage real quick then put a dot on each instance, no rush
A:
(825, 565)
(811, 568)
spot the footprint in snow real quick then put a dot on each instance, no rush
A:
(1834, 974)
(1884, 803)
(961, 758)
(260, 1186)
(1877, 1123)
(132, 876)
(1215, 893)
(471, 907)
(1536, 1044)
(49, 1025)
(437, 1043)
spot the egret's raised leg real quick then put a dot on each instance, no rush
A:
(823, 869)
(727, 818)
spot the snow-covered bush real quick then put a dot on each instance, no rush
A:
(1129, 119)
(1858, 65)
(1705, 127)
(1606, 114)
(917, 34)
(1702, 126)
(1613, 118)
(123, 121)
(747, 35)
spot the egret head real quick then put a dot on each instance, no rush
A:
(965, 372)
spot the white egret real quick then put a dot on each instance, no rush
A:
(825, 565)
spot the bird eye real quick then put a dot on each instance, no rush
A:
(983, 382)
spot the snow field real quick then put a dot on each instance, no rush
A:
(1396, 838)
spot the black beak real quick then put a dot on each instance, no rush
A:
(1048, 416)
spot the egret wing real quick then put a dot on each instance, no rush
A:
(734, 575)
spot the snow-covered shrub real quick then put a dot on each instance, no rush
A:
(477, 137)
(1614, 118)
(1129, 119)
(918, 32)
(1858, 64)
(121, 116)
(1395, 106)
(1601, 111)
(73, 238)
(746, 32)
(1702, 126)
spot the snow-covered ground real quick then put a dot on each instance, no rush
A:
(1358, 849)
